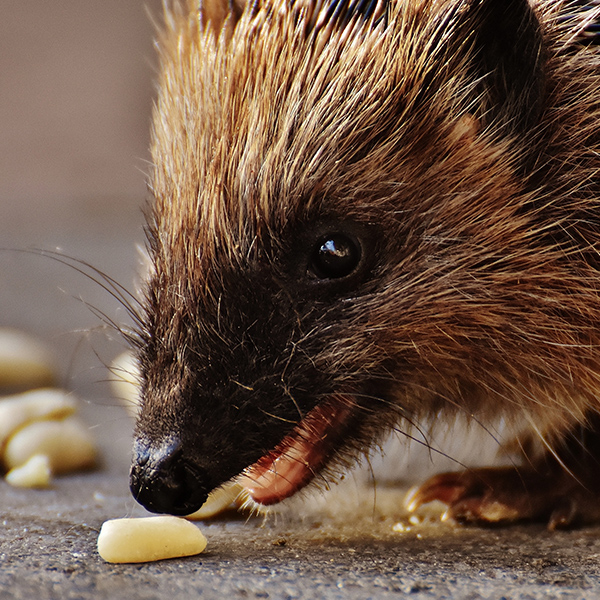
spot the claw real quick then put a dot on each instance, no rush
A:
(447, 488)
(411, 500)
(468, 495)
(563, 516)
(505, 495)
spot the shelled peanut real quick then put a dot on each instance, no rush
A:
(149, 539)
(39, 432)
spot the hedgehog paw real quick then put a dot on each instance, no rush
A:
(505, 495)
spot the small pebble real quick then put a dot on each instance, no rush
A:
(415, 519)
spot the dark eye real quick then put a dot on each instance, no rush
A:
(334, 256)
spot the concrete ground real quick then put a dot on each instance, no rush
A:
(48, 551)
(73, 118)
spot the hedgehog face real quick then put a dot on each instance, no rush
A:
(345, 236)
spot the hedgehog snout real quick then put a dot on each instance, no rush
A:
(163, 480)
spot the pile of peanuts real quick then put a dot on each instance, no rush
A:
(39, 432)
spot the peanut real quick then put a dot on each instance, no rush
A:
(18, 410)
(35, 473)
(148, 539)
(125, 385)
(229, 495)
(67, 444)
(24, 362)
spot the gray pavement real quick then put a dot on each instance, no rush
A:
(48, 551)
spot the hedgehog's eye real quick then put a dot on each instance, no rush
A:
(334, 256)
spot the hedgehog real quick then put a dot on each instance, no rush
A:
(366, 215)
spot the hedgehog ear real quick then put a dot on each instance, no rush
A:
(220, 13)
(509, 57)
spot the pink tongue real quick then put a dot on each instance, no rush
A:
(299, 457)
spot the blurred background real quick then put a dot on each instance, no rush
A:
(75, 99)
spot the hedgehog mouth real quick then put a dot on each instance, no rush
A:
(301, 455)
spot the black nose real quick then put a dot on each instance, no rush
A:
(164, 481)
